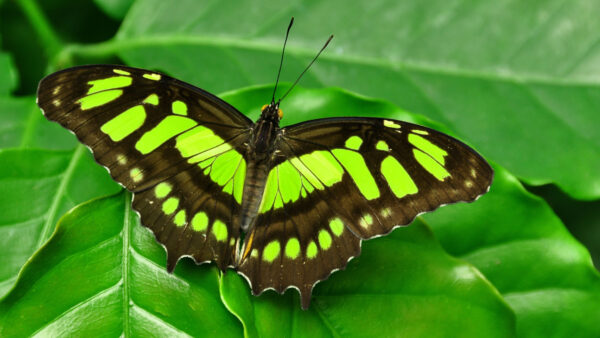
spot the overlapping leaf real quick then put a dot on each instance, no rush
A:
(512, 237)
(519, 79)
(37, 186)
(103, 274)
(399, 286)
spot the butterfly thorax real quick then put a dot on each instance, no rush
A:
(259, 154)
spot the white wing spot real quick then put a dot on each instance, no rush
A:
(366, 221)
(56, 102)
(136, 174)
(56, 90)
(468, 183)
(473, 173)
(386, 212)
(121, 159)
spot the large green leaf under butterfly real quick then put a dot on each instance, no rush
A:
(305, 195)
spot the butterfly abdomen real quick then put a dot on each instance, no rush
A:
(254, 186)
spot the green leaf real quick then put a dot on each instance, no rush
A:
(520, 245)
(116, 9)
(512, 237)
(507, 209)
(8, 76)
(36, 188)
(519, 79)
(101, 273)
(22, 125)
(399, 285)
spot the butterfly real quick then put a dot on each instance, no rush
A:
(285, 207)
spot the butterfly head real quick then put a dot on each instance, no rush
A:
(271, 112)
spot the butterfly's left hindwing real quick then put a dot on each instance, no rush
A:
(338, 181)
(175, 146)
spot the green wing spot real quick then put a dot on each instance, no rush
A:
(353, 142)
(109, 83)
(196, 141)
(152, 99)
(381, 145)
(179, 108)
(179, 219)
(200, 221)
(162, 190)
(324, 166)
(219, 229)
(271, 251)
(121, 72)
(125, 123)
(316, 169)
(167, 128)
(431, 149)
(170, 205)
(355, 164)
(307, 175)
(324, 239)
(238, 181)
(210, 153)
(307, 186)
(152, 76)
(278, 202)
(289, 182)
(431, 165)
(271, 188)
(397, 177)
(418, 131)
(98, 99)
(336, 226)
(228, 188)
(224, 166)
(311, 250)
(366, 221)
(292, 248)
(391, 124)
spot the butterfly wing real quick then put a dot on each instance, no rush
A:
(175, 146)
(342, 180)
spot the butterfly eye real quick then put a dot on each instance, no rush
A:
(280, 113)
(263, 107)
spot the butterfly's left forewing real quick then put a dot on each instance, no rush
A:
(175, 146)
(338, 181)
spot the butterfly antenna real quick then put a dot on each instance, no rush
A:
(307, 67)
(281, 62)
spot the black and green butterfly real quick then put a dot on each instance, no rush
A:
(304, 196)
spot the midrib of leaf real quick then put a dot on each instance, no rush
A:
(125, 264)
(49, 223)
(402, 68)
(114, 46)
(325, 321)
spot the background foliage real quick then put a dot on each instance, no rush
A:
(520, 81)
